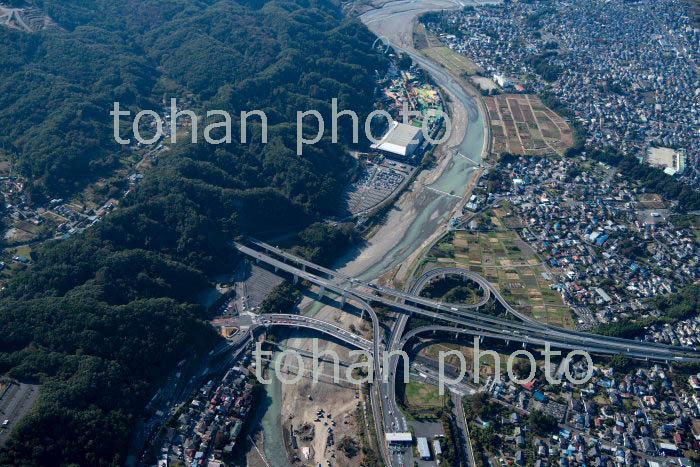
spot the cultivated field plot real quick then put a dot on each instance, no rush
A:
(511, 265)
(432, 47)
(522, 124)
(500, 217)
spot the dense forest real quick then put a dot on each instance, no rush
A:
(100, 318)
(225, 54)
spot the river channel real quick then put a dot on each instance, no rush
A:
(407, 227)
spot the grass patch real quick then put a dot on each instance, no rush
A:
(422, 395)
(453, 61)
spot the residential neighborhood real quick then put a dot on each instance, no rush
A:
(610, 244)
(630, 417)
(206, 430)
(585, 55)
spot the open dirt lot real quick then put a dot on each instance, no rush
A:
(338, 400)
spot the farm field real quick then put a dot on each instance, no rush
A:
(511, 265)
(430, 46)
(522, 124)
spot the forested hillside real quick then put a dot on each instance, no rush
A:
(56, 87)
(101, 317)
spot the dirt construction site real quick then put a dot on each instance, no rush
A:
(317, 415)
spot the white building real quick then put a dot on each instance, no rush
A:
(423, 448)
(399, 438)
(437, 448)
(401, 140)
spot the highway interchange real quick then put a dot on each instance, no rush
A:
(459, 319)
(393, 22)
(525, 329)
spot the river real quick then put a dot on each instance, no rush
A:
(423, 209)
(420, 212)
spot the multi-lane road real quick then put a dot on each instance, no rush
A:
(299, 321)
(464, 317)
(457, 319)
(375, 347)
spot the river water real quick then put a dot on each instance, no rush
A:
(271, 409)
(432, 206)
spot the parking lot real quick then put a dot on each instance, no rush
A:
(376, 185)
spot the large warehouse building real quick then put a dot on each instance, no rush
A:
(400, 141)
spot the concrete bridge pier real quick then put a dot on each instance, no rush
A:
(303, 267)
(342, 303)
(322, 291)
(296, 279)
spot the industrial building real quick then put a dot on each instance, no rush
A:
(423, 448)
(400, 141)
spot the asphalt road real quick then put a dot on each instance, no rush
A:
(386, 414)
(528, 332)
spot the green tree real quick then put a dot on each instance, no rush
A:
(542, 423)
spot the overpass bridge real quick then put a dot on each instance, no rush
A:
(375, 347)
(506, 329)
(343, 278)
(300, 321)
(461, 319)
